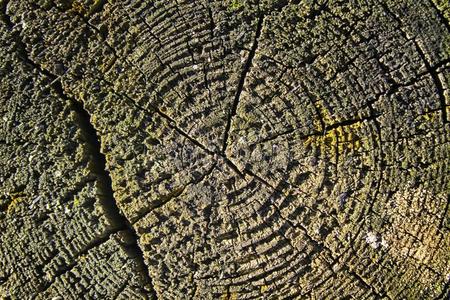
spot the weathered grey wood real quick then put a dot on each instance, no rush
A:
(224, 149)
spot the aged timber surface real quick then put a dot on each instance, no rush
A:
(202, 149)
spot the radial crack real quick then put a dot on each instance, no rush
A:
(245, 71)
(98, 166)
(106, 198)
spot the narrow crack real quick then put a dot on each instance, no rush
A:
(373, 116)
(64, 269)
(273, 137)
(261, 180)
(212, 24)
(395, 86)
(439, 87)
(319, 244)
(368, 286)
(5, 206)
(245, 71)
(316, 133)
(432, 70)
(171, 122)
(444, 215)
(172, 125)
(173, 195)
(99, 161)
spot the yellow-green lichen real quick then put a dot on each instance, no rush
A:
(13, 205)
(343, 138)
(229, 296)
(78, 8)
(235, 5)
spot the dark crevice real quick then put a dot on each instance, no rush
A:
(5, 205)
(120, 290)
(97, 7)
(230, 164)
(212, 24)
(321, 245)
(205, 80)
(4, 278)
(85, 20)
(99, 161)
(241, 83)
(98, 166)
(158, 203)
(445, 294)
(439, 87)
(106, 196)
(441, 16)
(144, 21)
(170, 122)
(5, 17)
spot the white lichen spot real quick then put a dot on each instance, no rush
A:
(35, 201)
(384, 243)
(372, 240)
(195, 67)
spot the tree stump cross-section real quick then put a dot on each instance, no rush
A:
(235, 149)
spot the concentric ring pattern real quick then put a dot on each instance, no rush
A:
(225, 149)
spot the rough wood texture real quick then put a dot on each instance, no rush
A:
(224, 149)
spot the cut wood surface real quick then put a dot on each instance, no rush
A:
(202, 149)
